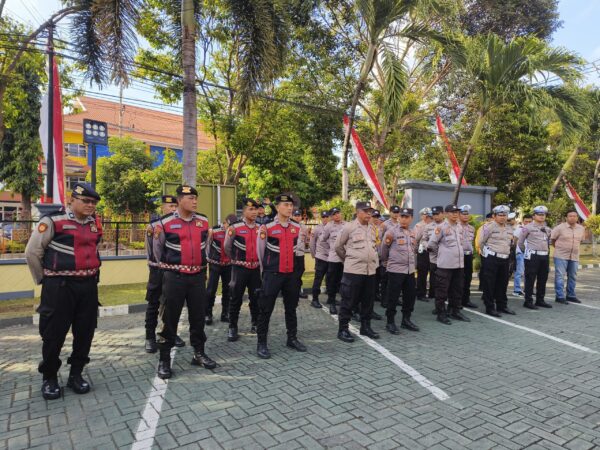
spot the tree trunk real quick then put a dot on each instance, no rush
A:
(26, 206)
(566, 166)
(364, 74)
(190, 109)
(472, 143)
(595, 187)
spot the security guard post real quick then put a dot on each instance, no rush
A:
(154, 285)
(319, 250)
(219, 267)
(446, 244)
(537, 259)
(467, 242)
(494, 243)
(398, 250)
(335, 266)
(299, 266)
(356, 247)
(276, 246)
(422, 254)
(180, 247)
(62, 255)
(240, 247)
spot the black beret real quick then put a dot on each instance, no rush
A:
(168, 200)
(84, 190)
(284, 198)
(186, 190)
(251, 202)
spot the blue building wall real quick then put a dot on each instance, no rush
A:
(158, 152)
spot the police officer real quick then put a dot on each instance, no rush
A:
(446, 244)
(537, 259)
(356, 247)
(423, 239)
(299, 266)
(467, 242)
(240, 247)
(276, 248)
(319, 250)
(380, 288)
(335, 266)
(62, 255)
(494, 243)
(422, 254)
(154, 286)
(398, 250)
(219, 267)
(180, 247)
(394, 218)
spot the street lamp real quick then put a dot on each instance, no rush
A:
(94, 132)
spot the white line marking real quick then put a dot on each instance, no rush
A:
(536, 332)
(409, 370)
(584, 305)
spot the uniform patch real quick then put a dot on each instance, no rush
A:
(243, 232)
(175, 226)
(230, 232)
(293, 231)
(274, 232)
(198, 223)
(157, 232)
(388, 241)
(437, 231)
(93, 228)
(149, 232)
(401, 242)
(42, 227)
(263, 235)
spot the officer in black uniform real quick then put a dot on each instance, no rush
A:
(62, 255)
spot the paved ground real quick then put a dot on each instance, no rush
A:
(485, 384)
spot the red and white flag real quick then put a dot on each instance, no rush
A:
(58, 189)
(455, 168)
(582, 210)
(360, 155)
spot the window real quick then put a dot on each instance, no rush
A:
(79, 150)
(8, 212)
(71, 180)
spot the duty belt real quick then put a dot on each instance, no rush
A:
(153, 264)
(539, 252)
(468, 253)
(218, 263)
(180, 267)
(71, 273)
(246, 264)
(498, 255)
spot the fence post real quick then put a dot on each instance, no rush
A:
(117, 239)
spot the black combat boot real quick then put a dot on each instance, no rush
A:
(407, 323)
(456, 314)
(150, 346)
(344, 335)
(262, 350)
(442, 317)
(366, 330)
(77, 382)
(392, 328)
(50, 387)
(201, 359)
(232, 334)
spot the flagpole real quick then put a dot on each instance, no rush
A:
(50, 157)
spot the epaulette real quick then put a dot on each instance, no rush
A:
(56, 212)
(202, 216)
(165, 216)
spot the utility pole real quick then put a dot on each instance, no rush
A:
(50, 157)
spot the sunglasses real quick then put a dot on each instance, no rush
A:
(87, 201)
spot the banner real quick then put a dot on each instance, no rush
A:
(58, 189)
(582, 210)
(365, 165)
(455, 168)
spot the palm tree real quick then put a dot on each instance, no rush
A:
(505, 72)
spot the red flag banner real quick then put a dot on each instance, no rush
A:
(582, 210)
(455, 168)
(360, 155)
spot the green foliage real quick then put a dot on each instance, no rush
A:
(168, 171)
(346, 208)
(593, 223)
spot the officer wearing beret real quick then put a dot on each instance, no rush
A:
(154, 286)
(357, 248)
(467, 241)
(335, 266)
(276, 247)
(240, 248)
(534, 242)
(423, 236)
(319, 250)
(494, 243)
(422, 254)
(62, 255)
(446, 244)
(180, 247)
(299, 265)
(398, 250)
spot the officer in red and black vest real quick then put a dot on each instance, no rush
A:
(62, 255)
(180, 247)
(220, 267)
(154, 286)
(240, 247)
(277, 243)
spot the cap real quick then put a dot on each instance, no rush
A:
(231, 218)
(84, 190)
(324, 214)
(437, 209)
(406, 212)
(261, 205)
(333, 211)
(186, 190)
(250, 202)
(501, 209)
(297, 212)
(451, 208)
(376, 214)
(168, 200)
(284, 198)
(395, 209)
(540, 210)
(489, 215)
(465, 209)
(363, 205)
(426, 211)
(512, 215)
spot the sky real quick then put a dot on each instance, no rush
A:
(579, 33)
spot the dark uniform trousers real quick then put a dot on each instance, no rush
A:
(494, 281)
(67, 302)
(272, 284)
(153, 293)
(299, 268)
(536, 269)
(180, 289)
(357, 291)
(320, 272)
(215, 272)
(448, 286)
(400, 282)
(335, 271)
(381, 284)
(468, 272)
(242, 278)
(432, 280)
(422, 271)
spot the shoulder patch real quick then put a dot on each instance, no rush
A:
(388, 241)
(157, 231)
(437, 231)
(42, 227)
(263, 234)
(230, 232)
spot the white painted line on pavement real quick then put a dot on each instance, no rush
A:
(409, 370)
(536, 332)
(584, 305)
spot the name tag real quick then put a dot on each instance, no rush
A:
(243, 232)
(175, 226)
(69, 227)
(401, 241)
(276, 232)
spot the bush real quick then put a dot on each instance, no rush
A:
(136, 245)
(346, 208)
(593, 223)
(14, 247)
